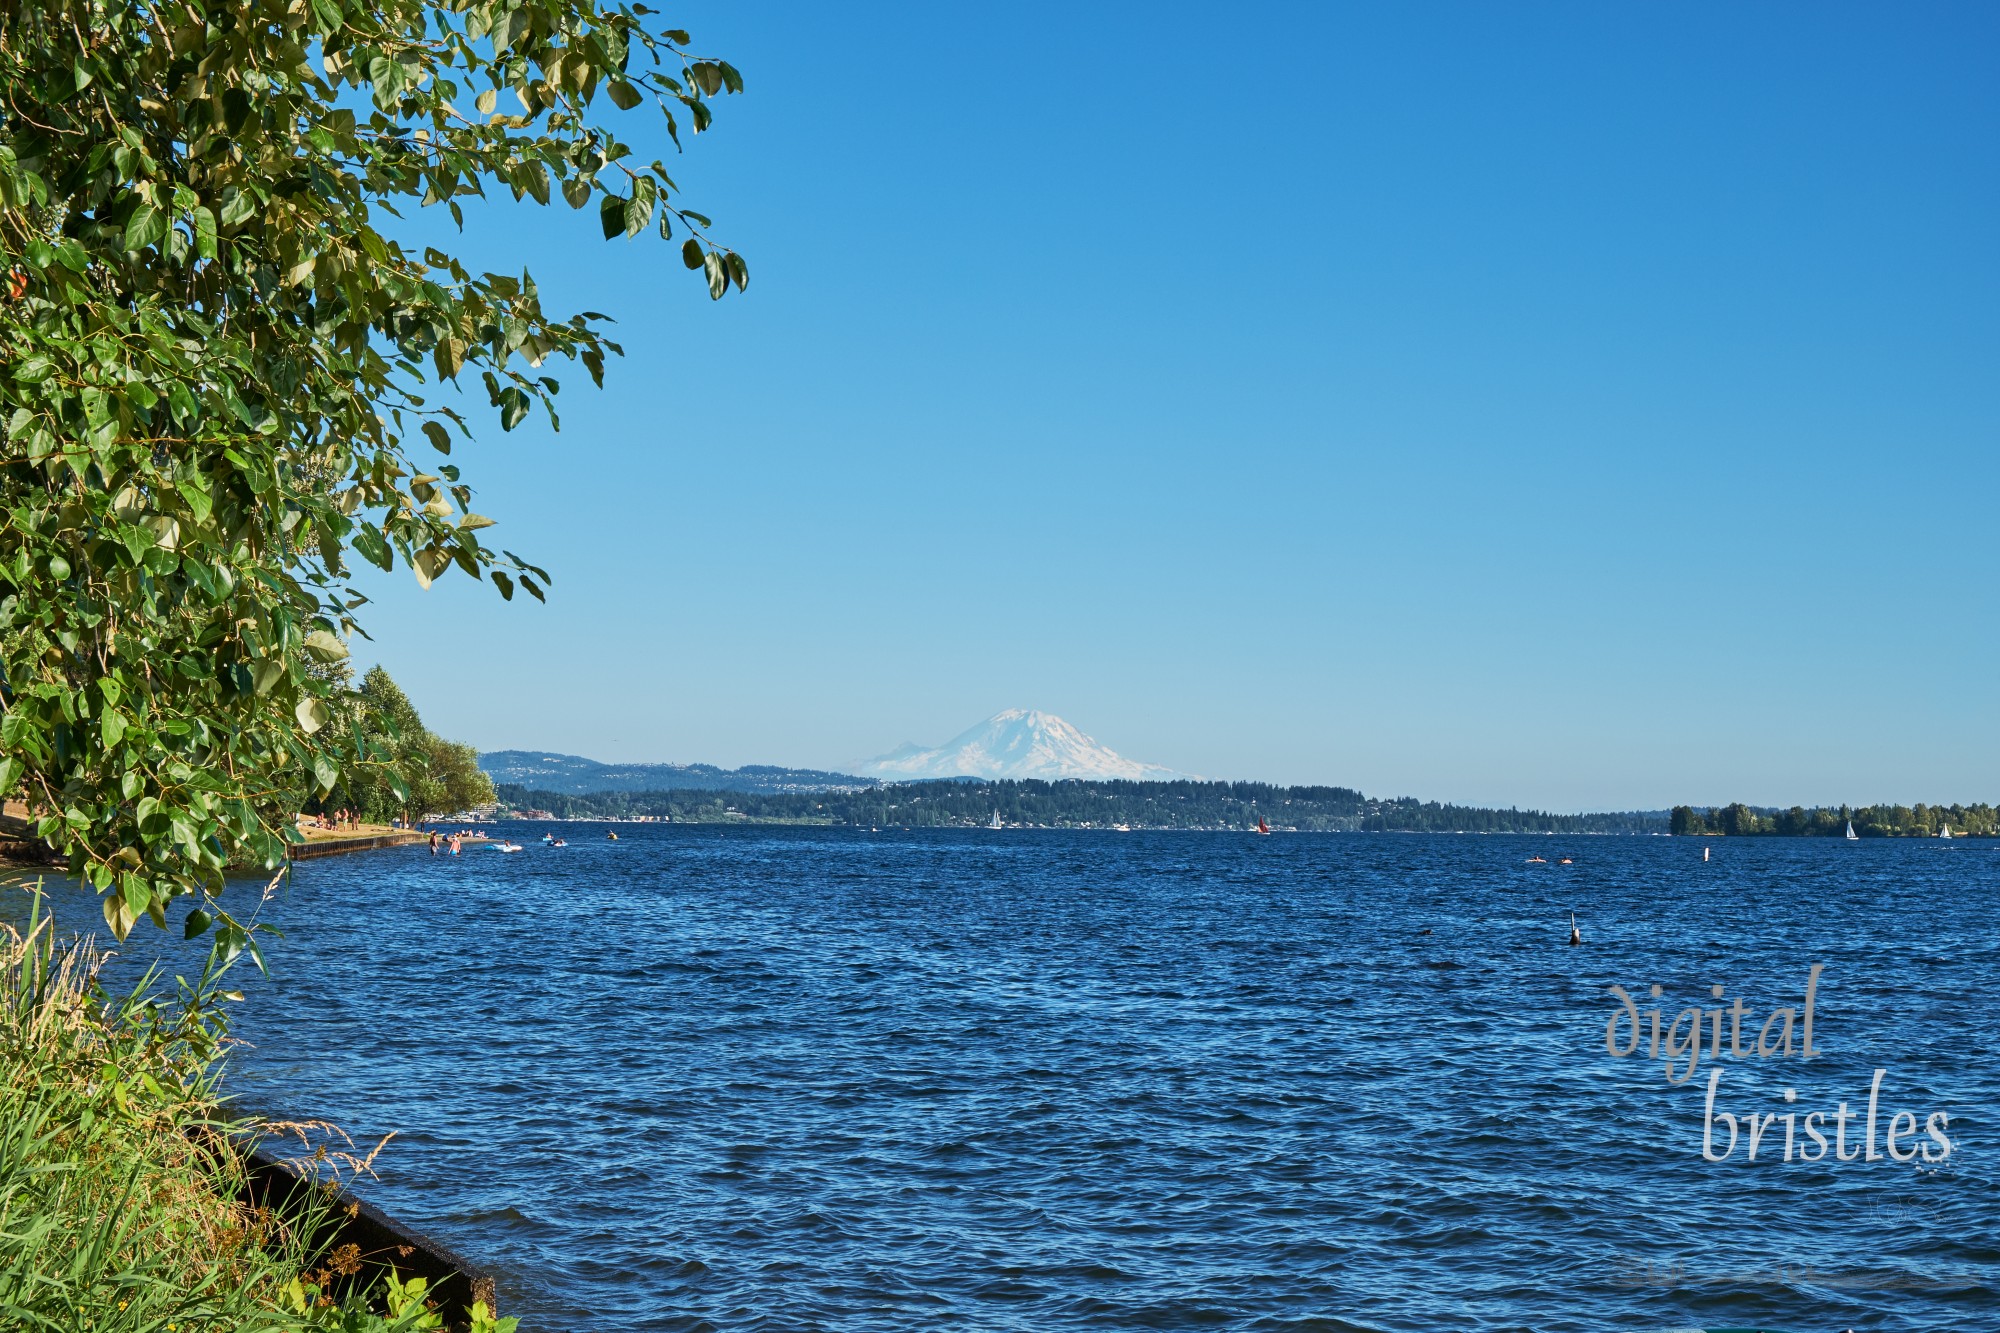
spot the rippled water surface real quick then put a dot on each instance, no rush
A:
(709, 1078)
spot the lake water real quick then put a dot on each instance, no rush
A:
(791, 1079)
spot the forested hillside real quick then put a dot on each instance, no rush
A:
(1869, 821)
(1182, 805)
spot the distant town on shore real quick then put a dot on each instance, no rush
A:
(1023, 768)
(1078, 804)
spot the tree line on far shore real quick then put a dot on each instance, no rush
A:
(1076, 804)
(1825, 821)
(1225, 805)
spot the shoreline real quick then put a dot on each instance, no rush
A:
(338, 844)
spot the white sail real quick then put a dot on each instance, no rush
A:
(1852, 836)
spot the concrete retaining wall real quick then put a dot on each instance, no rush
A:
(305, 851)
(382, 1242)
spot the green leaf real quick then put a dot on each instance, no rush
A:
(368, 541)
(639, 211)
(197, 497)
(235, 109)
(325, 646)
(430, 563)
(611, 212)
(147, 226)
(691, 253)
(112, 728)
(624, 94)
(197, 921)
(514, 406)
(312, 715)
(326, 772)
(204, 233)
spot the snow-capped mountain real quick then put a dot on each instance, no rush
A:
(1019, 743)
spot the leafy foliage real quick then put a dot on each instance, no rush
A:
(216, 370)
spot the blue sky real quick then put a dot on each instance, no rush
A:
(1569, 405)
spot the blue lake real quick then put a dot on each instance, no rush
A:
(793, 1079)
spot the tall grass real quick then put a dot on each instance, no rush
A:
(120, 1182)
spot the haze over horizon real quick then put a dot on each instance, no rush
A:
(1569, 407)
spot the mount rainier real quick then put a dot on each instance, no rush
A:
(1017, 743)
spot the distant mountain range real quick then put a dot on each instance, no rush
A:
(1017, 743)
(573, 775)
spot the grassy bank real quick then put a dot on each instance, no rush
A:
(120, 1189)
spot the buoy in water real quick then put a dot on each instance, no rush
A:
(1575, 935)
(1704, 853)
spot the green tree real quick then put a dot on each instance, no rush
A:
(414, 772)
(1734, 820)
(217, 366)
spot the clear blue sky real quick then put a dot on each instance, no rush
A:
(1576, 405)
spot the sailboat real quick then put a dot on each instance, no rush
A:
(1852, 836)
(996, 820)
(1945, 832)
(1262, 827)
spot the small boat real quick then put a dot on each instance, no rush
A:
(1262, 827)
(995, 823)
(1945, 832)
(1852, 836)
(1538, 860)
